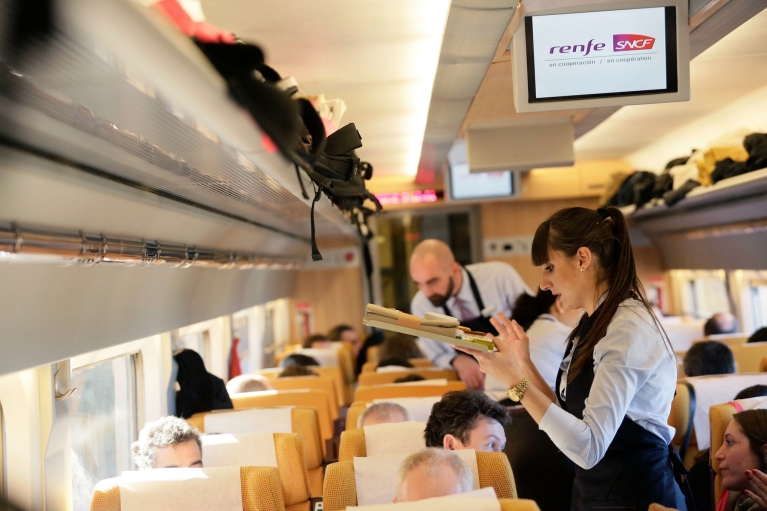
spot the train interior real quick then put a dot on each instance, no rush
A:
(147, 207)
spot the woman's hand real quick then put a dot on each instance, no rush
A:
(757, 487)
(504, 363)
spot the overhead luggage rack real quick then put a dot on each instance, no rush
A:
(119, 94)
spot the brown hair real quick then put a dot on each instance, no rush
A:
(754, 426)
(314, 338)
(400, 346)
(605, 233)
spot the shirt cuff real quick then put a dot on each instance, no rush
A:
(557, 423)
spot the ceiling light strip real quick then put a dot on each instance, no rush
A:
(77, 248)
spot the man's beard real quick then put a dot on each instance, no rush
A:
(441, 300)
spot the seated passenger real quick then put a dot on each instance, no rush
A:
(721, 323)
(709, 357)
(410, 378)
(347, 335)
(432, 473)
(298, 359)
(383, 413)
(742, 460)
(199, 391)
(296, 371)
(759, 336)
(169, 442)
(752, 391)
(248, 383)
(547, 324)
(394, 363)
(400, 346)
(318, 342)
(467, 419)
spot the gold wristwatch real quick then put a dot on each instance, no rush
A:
(516, 393)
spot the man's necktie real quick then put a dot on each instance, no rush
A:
(463, 310)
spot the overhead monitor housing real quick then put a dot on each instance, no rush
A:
(597, 55)
(463, 186)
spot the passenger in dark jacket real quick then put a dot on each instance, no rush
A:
(200, 390)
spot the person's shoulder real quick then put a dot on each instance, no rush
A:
(632, 316)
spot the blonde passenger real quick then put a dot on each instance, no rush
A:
(168, 442)
(248, 383)
(383, 413)
(432, 473)
(742, 463)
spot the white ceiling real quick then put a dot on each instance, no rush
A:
(379, 56)
(727, 82)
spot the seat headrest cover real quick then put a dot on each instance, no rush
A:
(239, 450)
(418, 407)
(376, 477)
(253, 420)
(395, 438)
(716, 390)
(478, 500)
(326, 357)
(181, 489)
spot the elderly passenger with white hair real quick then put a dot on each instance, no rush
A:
(383, 413)
(432, 473)
(169, 442)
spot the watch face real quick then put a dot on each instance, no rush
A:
(513, 396)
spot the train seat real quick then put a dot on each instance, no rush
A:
(728, 339)
(680, 418)
(749, 355)
(681, 334)
(333, 373)
(419, 408)
(763, 365)
(323, 383)
(430, 373)
(285, 451)
(259, 488)
(370, 367)
(303, 421)
(658, 507)
(719, 418)
(340, 489)
(481, 500)
(370, 393)
(372, 354)
(340, 356)
(409, 439)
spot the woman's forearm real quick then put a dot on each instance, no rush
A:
(536, 380)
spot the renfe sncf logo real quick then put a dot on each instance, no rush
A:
(632, 42)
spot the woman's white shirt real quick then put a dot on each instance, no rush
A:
(634, 375)
(548, 341)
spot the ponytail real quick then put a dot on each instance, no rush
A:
(527, 308)
(605, 233)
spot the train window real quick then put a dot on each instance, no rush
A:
(104, 423)
(759, 303)
(709, 296)
(198, 341)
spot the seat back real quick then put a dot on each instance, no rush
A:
(372, 354)
(288, 459)
(459, 502)
(682, 334)
(340, 489)
(763, 365)
(728, 339)
(365, 393)
(333, 373)
(260, 491)
(370, 379)
(316, 399)
(720, 416)
(680, 418)
(370, 367)
(354, 443)
(312, 383)
(419, 408)
(748, 356)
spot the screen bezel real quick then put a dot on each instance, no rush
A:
(672, 75)
(453, 198)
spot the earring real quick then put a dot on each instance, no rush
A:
(582, 270)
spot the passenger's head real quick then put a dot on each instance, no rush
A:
(752, 391)
(382, 413)
(410, 378)
(467, 419)
(248, 383)
(709, 357)
(296, 370)
(432, 473)
(759, 336)
(298, 359)
(169, 442)
(721, 323)
(346, 334)
(585, 253)
(744, 448)
(400, 346)
(527, 308)
(317, 341)
(435, 271)
(395, 361)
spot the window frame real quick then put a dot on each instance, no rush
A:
(3, 483)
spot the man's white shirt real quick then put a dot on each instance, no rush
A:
(499, 286)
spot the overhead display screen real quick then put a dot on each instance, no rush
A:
(484, 185)
(601, 54)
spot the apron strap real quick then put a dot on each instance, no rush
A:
(474, 291)
(681, 476)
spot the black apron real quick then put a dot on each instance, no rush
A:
(480, 323)
(638, 468)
